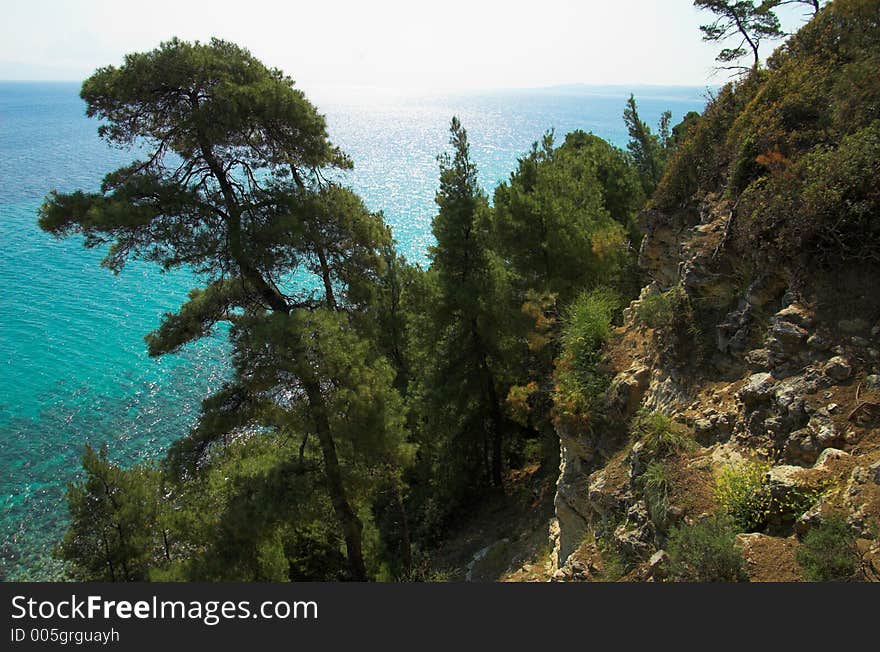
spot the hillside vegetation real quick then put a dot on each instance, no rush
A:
(687, 329)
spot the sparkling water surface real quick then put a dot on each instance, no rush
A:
(74, 363)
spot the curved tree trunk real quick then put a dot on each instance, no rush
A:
(352, 528)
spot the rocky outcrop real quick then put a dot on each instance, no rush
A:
(579, 495)
(661, 249)
(787, 386)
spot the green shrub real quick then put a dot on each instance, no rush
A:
(654, 483)
(588, 325)
(579, 382)
(829, 552)
(798, 501)
(742, 492)
(614, 564)
(656, 310)
(706, 552)
(671, 312)
(660, 435)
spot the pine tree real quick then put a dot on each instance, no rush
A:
(233, 187)
(464, 277)
(117, 531)
(647, 149)
(748, 24)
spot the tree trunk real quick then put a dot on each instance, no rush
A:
(108, 556)
(491, 397)
(404, 525)
(351, 524)
(325, 276)
(352, 527)
(497, 434)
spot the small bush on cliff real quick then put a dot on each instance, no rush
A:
(829, 552)
(654, 483)
(660, 435)
(742, 492)
(706, 552)
(579, 382)
(659, 310)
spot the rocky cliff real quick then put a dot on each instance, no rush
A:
(771, 384)
(753, 351)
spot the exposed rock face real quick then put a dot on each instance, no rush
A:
(787, 385)
(658, 565)
(571, 503)
(627, 389)
(579, 495)
(661, 249)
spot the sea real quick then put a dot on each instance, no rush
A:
(73, 363)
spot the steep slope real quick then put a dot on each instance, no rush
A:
(746, 377)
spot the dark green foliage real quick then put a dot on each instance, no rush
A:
(232, 187)
(464, 382)
(682, 130)
(648, 150)
(564, 217)
(363, 409)
(587, 328)
(117, 522)
(663, 309)
(374, 404)
(742, 22)
(706, 552)
(253, 515)
(794, 148)
(700, 162)
(836, 200)
(829, 553)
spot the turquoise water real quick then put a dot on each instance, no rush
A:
(74, 366)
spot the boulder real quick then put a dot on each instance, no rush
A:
(817, 342)
(627, 388)
(732, 334)
(757, 389)
(809, 519)
(658, 565)
(759, 360)
(634, 542)
(874, 472)
(796, 314)
(829, 455)
(801, 447)
(786, 336)
(783, 480)
(638, 460)
(837, 368)
(603, 500)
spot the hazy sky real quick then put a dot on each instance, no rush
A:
(444, 44)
